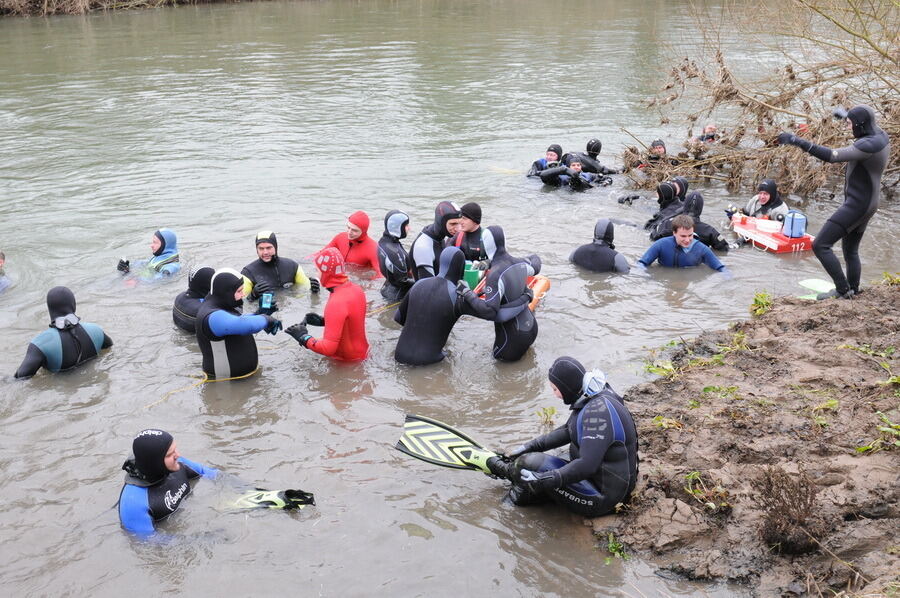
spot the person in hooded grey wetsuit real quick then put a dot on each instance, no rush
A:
(601, 255)
(426, 248)
(866, 160)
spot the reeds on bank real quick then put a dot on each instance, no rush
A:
(78, 7)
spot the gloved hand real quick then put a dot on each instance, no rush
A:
(604, 181)
(538, 482)
(299, 333)
(266, 311)
(314, 319)
(272, 325)
(731, 210)
(628, 199)
(263, 286)
(462, 289)
(552, 164)
(481, 265)
(124, 266)
(787, 139)
(518, 452)
(314, 285)
(840, 113)
(570, 172)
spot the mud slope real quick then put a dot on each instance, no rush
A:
(783, 390)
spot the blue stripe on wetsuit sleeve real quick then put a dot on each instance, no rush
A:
(134, 510)
(206, 472)
(222, 323)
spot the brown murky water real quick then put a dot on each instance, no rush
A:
(218, 121)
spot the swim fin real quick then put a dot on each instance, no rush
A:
(435, 442)
(274, 499)
(816, 285)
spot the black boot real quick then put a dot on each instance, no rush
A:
(833, 293)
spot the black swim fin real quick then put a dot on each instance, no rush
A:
(435, 442)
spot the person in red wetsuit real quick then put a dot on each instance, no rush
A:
(355, 245)
(345, 313)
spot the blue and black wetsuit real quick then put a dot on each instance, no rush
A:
(603, 452)
(542, 164)
(187, 303)
(601, 255)
(142, 504)
(393, 260)
(563, 176)
(225, 335)
(426, 248)
(430, 310)
(506, 290)
(165, 260)
(866, 160)
(672, 255)
(68, 342)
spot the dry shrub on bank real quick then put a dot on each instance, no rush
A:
(836, 53)
(790, 524)
(77, 7)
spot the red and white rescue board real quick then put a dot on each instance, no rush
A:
(766, 234)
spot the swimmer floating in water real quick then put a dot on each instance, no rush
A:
(164, 245)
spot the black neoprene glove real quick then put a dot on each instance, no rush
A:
(299, 333)
(538, 481)
(787, 139)
(314, 319)
(314, 285)
(272, 325)
(124, 266)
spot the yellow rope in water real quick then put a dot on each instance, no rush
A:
(201, 382)
(381, 309)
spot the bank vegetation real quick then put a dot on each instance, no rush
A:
(43, 8)
(831, 53)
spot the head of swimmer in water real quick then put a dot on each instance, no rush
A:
(266, 245)
(357, 225)
(575, 163)
(156, 244)
(470, 220)
(683, 230)
(710, 129)
(658, 147)
(2, 259)
(155, 454)
(554, 153)
(768, 191)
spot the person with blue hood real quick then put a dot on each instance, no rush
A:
(681, 250)
(601, 254)
(602, 469)
(68, 342)
(551, 159)
(588, 159)
(393, 260)
(506, 290)
(431, 308)
(705, 233)
(157, 480)
(572, 176)
(225, 335)
(164, 245)
(426, 248)
(866, 160)
(187, 303)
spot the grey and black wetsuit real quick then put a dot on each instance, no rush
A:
(426, 248)
(866, 160)
(393, 260)
(601, 255)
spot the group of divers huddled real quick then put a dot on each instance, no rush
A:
(429, 286)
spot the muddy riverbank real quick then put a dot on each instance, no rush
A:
(803, 390)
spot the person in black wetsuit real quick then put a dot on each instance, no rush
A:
(506, 290)
(708, 235)
(184, 312)
(573, 176)
(588, 159)
(551, 158)
(474, 241)
(426, 248)
(670, 196)
(601, 255)
(394, 262)
(866, 158)
(224, 335)
(271, 272)
(68, 342)
(602, 438)
(432, 307)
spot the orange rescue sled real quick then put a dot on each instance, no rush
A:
(766, 234)
(539, 284)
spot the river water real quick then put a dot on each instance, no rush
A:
(218, 121)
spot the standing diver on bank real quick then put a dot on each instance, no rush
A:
(603, 452)
(270, 272)
(393, 260)
(164, 245)
(68, 342)
(506, 290)
(866, 158)
(187, 303)
(432, 307)
(225, 335)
